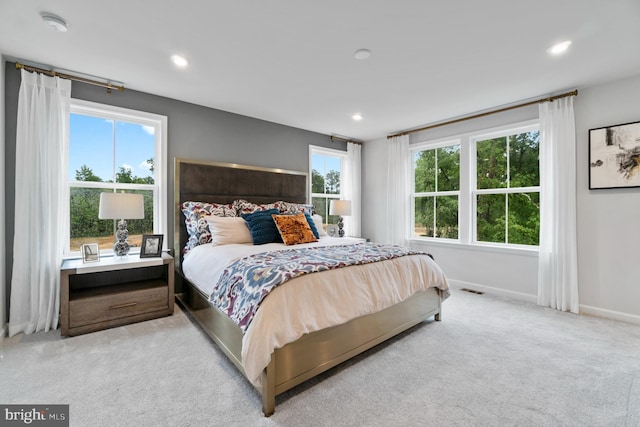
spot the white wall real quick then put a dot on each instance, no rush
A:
(608, 220)
(608, 226)
(3, 293)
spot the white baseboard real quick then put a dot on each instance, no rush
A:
(584, 309)
(609, 314)
(494, 291)
(3, 332)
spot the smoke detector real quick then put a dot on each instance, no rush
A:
(55, 22)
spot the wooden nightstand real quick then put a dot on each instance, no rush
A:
(114, 291)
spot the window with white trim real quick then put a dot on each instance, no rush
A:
(114, 149)
(480, 188)
(326, 168)
(507, 187)
(436, 184)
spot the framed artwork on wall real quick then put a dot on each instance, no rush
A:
(614, 156)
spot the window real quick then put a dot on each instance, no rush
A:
(507, 193)
(114, 149)
(480, 188)
(326, 167)
(436, 174)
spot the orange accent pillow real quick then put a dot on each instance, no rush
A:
(294, 229)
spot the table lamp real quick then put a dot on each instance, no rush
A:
(340, 208)
(121, 206)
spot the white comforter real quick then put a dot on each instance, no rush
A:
(291, 310)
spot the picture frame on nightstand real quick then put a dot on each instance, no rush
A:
(90, 252)
(332, 230)
(151, 245)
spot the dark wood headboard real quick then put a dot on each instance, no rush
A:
(225, 182)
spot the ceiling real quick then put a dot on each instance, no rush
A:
(292, 61)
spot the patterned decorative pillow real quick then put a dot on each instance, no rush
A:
(293, 208)
(197, 227)
(243, 207)
(262, 227)
(294, 229)
(246, 207)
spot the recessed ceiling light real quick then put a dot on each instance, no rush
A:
(55, 22)
(559, 48)
(357, 117)
(362, 54)
(179, 61)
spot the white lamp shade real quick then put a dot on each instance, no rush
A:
(121, 206)
(340, 207)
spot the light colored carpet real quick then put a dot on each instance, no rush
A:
(490, 362)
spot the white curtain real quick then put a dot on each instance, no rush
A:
(557, 265)
(397, 207)
(352, 184)
(41, 141)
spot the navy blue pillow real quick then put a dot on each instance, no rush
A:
(312, 225)
(262, 227)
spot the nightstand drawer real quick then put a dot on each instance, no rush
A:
(114, 291)
(103, 308)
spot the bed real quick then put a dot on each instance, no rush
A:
(278, 353)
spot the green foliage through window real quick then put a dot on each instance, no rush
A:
(497, 202)
(326, 179)
(505, 164)
(107, 155)
(84, 207)
(436, 177)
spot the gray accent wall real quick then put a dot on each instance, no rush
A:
(194, 132)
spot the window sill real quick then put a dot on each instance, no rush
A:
(103, 254)
(531, 251)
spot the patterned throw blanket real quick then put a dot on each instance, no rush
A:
(247, 281)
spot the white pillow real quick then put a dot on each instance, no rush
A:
(228, 230)
(317, 219)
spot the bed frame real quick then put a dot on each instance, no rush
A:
(313, 353)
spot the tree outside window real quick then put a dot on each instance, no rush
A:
(507, 189)
(106, 155)
(436, 192)
(326, 180)
(479, 189)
